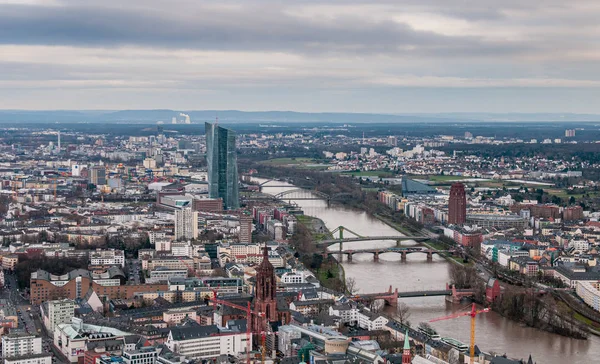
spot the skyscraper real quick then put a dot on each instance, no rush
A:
(222, 165)
(457, 204)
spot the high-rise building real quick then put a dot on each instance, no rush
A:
(457, 204)
(57, 312)
(245, 228)
(186, 223)
(98, 175)
(569, 133)
(222, 165)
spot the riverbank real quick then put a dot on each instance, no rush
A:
(327, 269)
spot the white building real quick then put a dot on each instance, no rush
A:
(589, 292)
(186, 223)
(107, 257)
(182, 249)
(364, 318)
(145, 355)
(18, 345)
(580, 245)
(205, 342)
(57, 312)
(44, 358)
(296, 277)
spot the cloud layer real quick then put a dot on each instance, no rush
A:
(278, 54)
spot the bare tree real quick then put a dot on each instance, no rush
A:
(403, 313)
(377, 305)
(351, 286)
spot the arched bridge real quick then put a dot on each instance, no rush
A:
(402, 251)
(357, 237)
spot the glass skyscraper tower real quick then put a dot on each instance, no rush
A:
(222, 165)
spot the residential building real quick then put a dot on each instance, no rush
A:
(245, 235)
(42, 358)
(186, 223)
(107, 257)
(221, 158)
(589, 292)
(10, 261)
(57, 312)
(16, 345)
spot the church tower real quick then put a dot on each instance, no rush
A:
(265, 303)
(406, 350)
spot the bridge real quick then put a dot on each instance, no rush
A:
(357, 237)
(402, 251)
(390, 297)
(299, 194)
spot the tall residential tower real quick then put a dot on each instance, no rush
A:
(222, 165)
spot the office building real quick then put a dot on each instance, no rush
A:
(186, 223)
(457, 204)
(207, 342)
(222, 165)
(569, 133)
(98, 175)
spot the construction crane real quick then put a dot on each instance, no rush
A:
(249, 313)
(473, 313)
(191, 270)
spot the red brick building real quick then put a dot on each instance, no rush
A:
(79, 282)
(457, 204)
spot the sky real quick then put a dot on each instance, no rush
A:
(381, 56)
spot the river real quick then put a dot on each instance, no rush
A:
(494, 333)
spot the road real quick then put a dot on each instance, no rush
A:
(134, 267)
(29, 316)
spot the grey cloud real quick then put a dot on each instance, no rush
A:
(255, 27)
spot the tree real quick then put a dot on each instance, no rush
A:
(403, 313)
(351, 286)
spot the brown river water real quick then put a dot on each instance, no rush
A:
(493, 332)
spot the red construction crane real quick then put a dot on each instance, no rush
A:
(473, 313)
(191, 270)
(249, 314)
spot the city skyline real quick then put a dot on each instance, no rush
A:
(401, 56)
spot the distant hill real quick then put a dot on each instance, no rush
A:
(235, 116)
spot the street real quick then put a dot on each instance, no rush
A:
(29, 316)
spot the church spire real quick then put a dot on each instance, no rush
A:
(406, 349)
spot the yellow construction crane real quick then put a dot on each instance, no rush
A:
(473, 313)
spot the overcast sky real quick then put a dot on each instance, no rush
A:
(322, 55)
